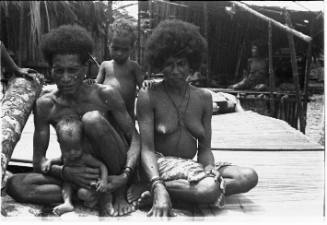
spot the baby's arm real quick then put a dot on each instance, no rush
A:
(102, 183)
(101, 73)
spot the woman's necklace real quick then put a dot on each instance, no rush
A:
(179, 110)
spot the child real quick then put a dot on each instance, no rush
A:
(121, 72)
(69, 133)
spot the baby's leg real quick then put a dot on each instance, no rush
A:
(90, 198)
(67, 206)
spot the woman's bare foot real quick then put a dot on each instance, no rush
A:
(63, 208)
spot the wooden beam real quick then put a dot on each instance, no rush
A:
(206, 34)
(271, 70)
(274, 22)
(295, 72)
(306, 77)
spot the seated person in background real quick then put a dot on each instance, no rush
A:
(70, 134)
(255, 77)
(121, 72)
(67, 49)
(10, 68)
(175, 125)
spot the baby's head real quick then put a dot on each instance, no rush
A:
(69, 134)
(175, 39)
(122, 40)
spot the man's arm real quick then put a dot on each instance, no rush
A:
(205, 156)
(93, 162)
(101, 73)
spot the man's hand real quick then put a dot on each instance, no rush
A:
(116, 181)
(81, 176)
(162, 206)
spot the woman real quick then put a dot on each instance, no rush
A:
(175, 125)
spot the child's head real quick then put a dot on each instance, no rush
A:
(69, 133)
(175, 39)
(122, 40)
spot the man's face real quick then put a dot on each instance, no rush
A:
(176, 70)
(120, 48)
(68, 72)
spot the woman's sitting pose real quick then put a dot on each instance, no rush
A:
(175, 126)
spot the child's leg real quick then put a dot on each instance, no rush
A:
(67, 206)
(90, 198)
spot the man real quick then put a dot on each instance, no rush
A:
(66, 49)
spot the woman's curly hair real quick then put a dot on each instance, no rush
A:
(175, 38)
(67, 39)
(123, 27)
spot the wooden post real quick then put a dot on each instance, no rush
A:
(206, 34)
(16, 105)
(274, 22)
(295, 72)
(271, 71)
(306, 78)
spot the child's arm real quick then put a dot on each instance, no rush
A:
(90, 160)
(47, 163)
(101, 73)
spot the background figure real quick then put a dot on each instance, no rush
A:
(8, 68)
(255, 76)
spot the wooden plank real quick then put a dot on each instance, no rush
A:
(251, 131)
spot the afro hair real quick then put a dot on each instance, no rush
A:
(123, 27)
(67, 39)
(175, 38)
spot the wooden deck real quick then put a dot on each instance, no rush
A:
(291, 178)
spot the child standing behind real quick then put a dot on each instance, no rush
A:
(121, 72)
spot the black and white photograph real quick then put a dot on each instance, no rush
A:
(159, 110)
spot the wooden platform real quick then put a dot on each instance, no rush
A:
(291, 183)
(252, 131)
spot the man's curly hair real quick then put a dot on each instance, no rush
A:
(123, 28)
(67, 39)
(175, 38)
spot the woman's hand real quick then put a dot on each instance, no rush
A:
(116, 181)
(162, 206)
(81, 175)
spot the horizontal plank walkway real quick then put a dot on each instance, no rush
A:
(291, 183)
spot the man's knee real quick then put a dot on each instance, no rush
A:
(248, 179)
(91, 118)
(207, 191)
(17, 189)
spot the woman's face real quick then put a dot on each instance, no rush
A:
(254, 50)
(67, 72)
(176, 70)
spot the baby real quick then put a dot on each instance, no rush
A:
(69, 133)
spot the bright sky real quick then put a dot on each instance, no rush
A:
(295, 5)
